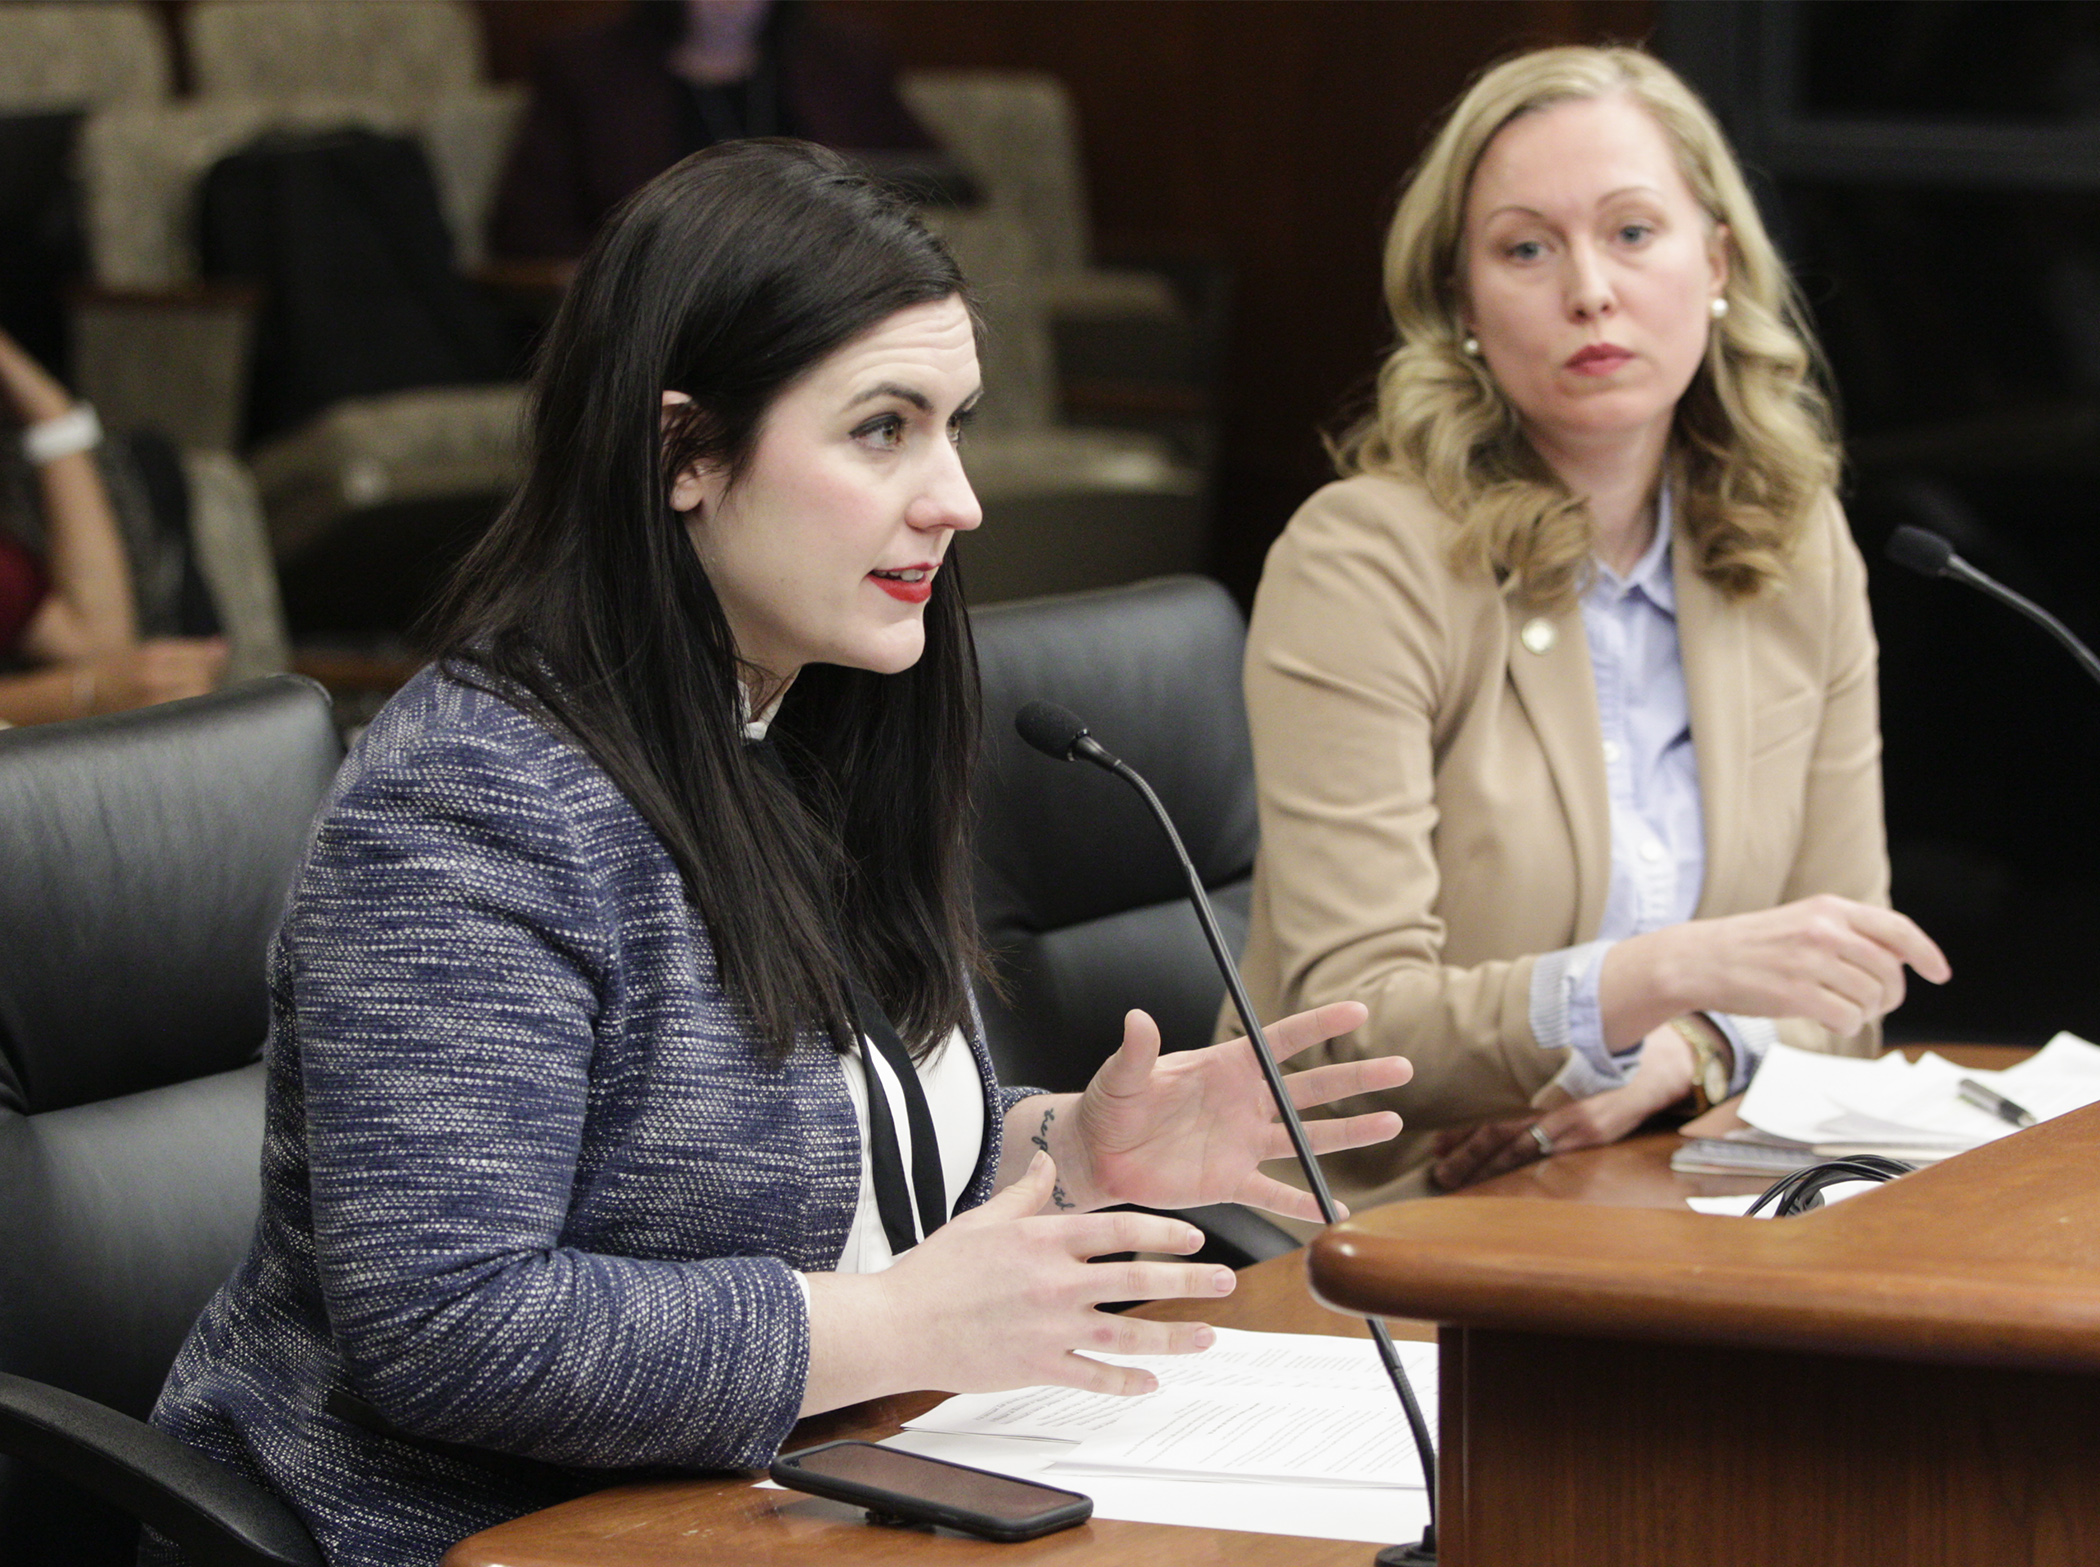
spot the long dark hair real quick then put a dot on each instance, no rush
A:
(727, 278)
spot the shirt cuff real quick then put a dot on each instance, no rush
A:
(1579, 1080)
(1749, 1038)
(803, 1280)
(1565, 1016)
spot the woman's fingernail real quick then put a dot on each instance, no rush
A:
(1205, 1338)
(1222, 1281)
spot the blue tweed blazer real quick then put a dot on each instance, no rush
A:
(529, 1189)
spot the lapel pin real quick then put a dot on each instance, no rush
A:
(1538, 635)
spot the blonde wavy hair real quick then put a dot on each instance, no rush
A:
(1753, 443)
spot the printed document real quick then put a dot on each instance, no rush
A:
(1272, 1433)
(1272, 1367)
(1910, 1109)
(1332, 1439)
(1375, 1515)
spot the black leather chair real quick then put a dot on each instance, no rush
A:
(1078, 895)
(146, 860)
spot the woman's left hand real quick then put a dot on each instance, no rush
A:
(1193, 1127)
(1466, 1154)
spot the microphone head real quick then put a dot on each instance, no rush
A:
(1921, 550)
(1051, 729)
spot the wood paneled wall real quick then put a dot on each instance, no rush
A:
(1272, 132)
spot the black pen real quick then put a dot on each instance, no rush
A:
(2000, 1106)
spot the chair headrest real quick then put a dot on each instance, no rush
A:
(1154, 671)
(147, 859)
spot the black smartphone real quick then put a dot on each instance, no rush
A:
(893, 1484)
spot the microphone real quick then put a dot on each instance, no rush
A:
(1058, 734)
(1930, 555)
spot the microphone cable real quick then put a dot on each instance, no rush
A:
(1803, 1190)
(1060, 735)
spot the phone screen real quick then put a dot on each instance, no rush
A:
(929, 1479)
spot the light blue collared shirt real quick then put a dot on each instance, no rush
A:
(1658, 835)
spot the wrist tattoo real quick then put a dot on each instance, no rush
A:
(1042, 1141)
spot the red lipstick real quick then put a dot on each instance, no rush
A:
(908, 584)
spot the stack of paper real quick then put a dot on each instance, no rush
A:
(1275, 1433)
(1803, 1107)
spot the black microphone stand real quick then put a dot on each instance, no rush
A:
(1052, 725)
(1926, 553)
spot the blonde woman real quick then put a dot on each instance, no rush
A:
(1563, 698)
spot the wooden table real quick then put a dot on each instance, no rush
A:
(1637, 1173)
(727, 1523)
(1909, 1377)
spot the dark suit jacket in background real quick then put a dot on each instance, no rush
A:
(607, 116)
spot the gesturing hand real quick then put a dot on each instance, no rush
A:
(1826, 958)
(1193, 1127)
(1001, 1297)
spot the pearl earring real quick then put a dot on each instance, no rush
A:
(1719, 308)
(1472, 347)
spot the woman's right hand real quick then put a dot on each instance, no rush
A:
(1003, 1297)
(1828, 959)
(164, 670)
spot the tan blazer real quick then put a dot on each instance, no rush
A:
(1433, 800)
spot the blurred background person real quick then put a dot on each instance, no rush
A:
(617, 105)
(68, 620)
(1563, 699)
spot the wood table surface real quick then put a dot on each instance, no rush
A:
(727, 1522)
(1990, 1258)
(1636, 1173)
(1905, 1377)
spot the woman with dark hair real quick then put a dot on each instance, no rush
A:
(621, 1032)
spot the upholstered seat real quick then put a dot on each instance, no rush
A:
(58, 54)
(403, 50)
(1138, 347)
(162, 346)
(1015, 132)
(66, 56)
(1079, 896)
(1066, 507)
(148, 856)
